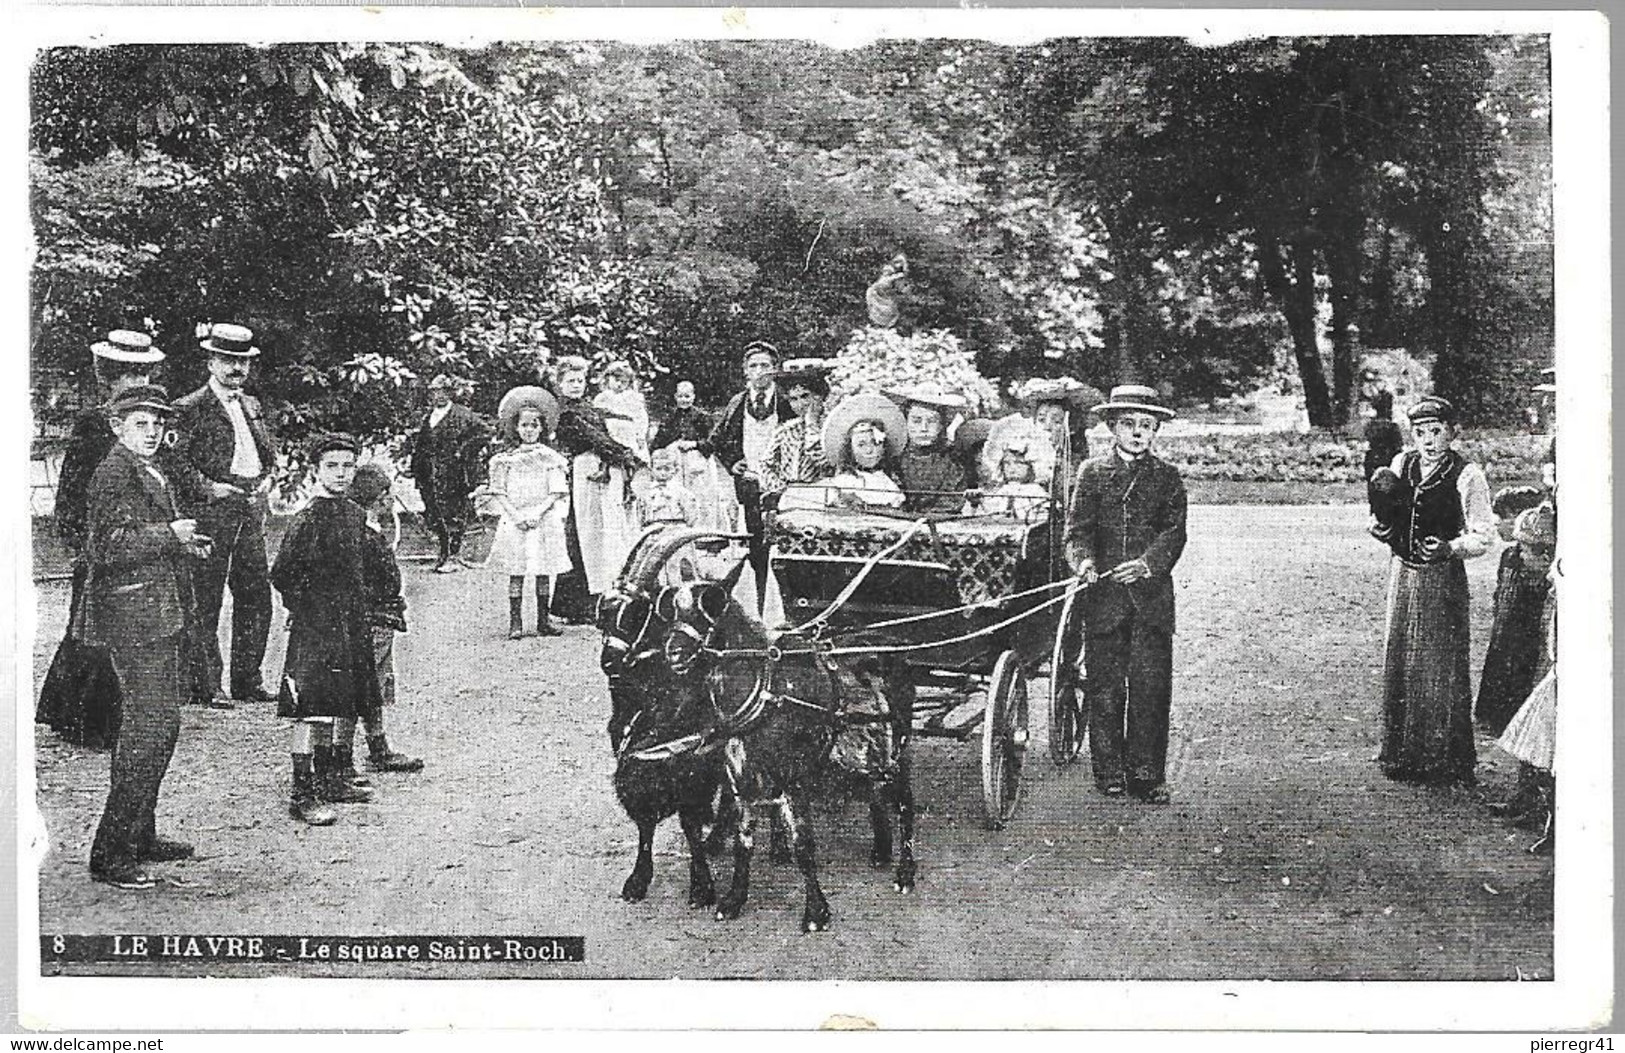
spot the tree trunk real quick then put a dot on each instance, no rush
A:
(1343, 268)
(1296, 297)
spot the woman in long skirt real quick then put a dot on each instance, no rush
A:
(1427, 733)
(602, 526)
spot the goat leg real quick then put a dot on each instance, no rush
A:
(701, 891)
(733, 901)
(902, 792)
(881, 796)
(797, 814)
(637, 883)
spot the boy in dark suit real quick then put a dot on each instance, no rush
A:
(1125, 530)
(329, 677)
(137, 602)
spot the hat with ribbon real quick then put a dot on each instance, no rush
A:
(1135, 398)
(140, 397)
(129, 347)
(853, 410)
(235, 341)
(1432, 408)
(524, 397)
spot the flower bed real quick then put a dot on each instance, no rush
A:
(1320, 457)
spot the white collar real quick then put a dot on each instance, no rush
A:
(223, 393)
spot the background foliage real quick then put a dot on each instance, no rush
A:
(1210, 219)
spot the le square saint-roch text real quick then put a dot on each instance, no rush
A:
(345, 949)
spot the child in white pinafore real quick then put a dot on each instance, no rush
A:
(1017, 462)
(531, 485)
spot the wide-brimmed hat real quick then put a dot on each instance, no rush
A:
(1021, 436)
(1432, 408)
(864, 406)
(129, 347)
(1050, 389)
(794, 369)
(1536, 526)
(527, 396)
(1135, 398)
(327, 442)
(1512, 500)
(140, 396)
(933, 394)
(234, 341)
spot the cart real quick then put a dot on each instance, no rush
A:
(969, 612)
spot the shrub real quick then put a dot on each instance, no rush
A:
(1320, 457)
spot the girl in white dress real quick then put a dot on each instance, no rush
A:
(1017, 463)
(531, 485)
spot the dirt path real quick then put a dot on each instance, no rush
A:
(1284, 855)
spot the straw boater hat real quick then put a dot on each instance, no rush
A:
(1024, 437)
(527, 396)
(933, 394)
(1432, 408)
(1549, 386)
(233, 341)
(864, 406)
(141, 396)
(1135, 398)
(129, 347)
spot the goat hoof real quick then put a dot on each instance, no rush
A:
(727, 911)
(702, 897)
(816, 923)
(634, 890)
(880, 857)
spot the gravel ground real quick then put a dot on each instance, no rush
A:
(1285, 854)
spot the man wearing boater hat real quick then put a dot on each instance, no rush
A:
(1125, 531)
(224, 436)
(140, 551)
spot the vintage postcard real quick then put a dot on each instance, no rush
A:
(1018, 518)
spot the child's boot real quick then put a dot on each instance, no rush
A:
(305, 804)
(381, 758)
(516, 621)
(544, 598)
(333, 787)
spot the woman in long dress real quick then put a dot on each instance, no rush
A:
(1427, 712)
(602, 526)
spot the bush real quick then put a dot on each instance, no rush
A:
(1320, 457)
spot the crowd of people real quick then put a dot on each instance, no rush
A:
(163, 506)
(1433, 509)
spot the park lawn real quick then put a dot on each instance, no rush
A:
(1285, 854)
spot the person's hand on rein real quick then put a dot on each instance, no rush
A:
(1130, 571)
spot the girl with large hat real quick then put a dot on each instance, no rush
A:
(530, 483)
(861, 437)
(1427, 717)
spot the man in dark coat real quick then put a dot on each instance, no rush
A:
(223, 434)
(446, 465)
(1125, 530)
(137, 598)
(329, 677)
(743, 435)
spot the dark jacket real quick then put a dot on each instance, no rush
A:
(207, 440)
(727, 441)
(1123, 511)
(581, 430)
(321, 573)
(932, 480)
(138, 587)
(88, 443)
(386, 607)
(446, 457)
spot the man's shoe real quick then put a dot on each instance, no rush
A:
(126, 877)
(163, 850)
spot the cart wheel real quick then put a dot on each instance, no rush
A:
(1067, 725)
(1004, 739)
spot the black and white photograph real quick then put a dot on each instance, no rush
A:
(749, 496)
